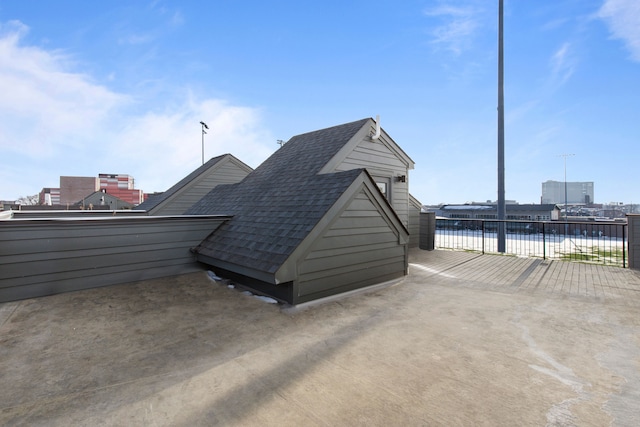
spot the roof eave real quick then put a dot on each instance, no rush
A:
(363, 133)
(239, 269)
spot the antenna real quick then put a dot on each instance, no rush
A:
(281, 142)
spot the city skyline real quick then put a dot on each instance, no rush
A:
(123, 87)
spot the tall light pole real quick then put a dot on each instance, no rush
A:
(502, 209)
(204, 126)
(565, 182)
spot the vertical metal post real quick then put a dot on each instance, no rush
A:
(544, 243)
(501, 190)
(204, 126)
(566, 213)
(483, 222)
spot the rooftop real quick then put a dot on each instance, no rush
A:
(465, 339)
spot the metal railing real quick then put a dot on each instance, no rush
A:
(589, 241)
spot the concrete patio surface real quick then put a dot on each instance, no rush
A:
(465, 339)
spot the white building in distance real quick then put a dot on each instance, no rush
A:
(577, 193)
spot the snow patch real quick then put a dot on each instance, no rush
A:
(213, 276)
(266, 299)
(467, 207)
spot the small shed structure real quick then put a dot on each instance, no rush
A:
(224, 169)
(101, 200)
(325, 214)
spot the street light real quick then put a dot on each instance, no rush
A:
(565, 183)
(204, 126)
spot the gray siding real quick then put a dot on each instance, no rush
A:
(360, 249)
(380, 161)
(415, 207)
(227, 172)
(44, 257)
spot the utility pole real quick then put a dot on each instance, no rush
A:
(502, 209)
(204, 126)
(565, 183)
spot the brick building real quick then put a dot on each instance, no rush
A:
(75, 188)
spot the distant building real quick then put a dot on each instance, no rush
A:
(6, 205)
(49, 196)
(578, 193)
(121, 186)
(73, 189)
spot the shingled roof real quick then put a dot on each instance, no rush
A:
(277, 205)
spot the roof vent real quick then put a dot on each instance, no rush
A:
(376, 135)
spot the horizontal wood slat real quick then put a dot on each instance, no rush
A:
(44, 257)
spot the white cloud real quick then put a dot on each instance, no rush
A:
(57, 121)
(42, 104)
(164, 147)
(134, 39)
(623, 19)
(458, 26)
(562, 63)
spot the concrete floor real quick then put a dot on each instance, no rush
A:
(465, 339)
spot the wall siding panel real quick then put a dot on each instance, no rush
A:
(359, 249)
(379, 160)
(226, 173)
(44, 257)
(414, 222)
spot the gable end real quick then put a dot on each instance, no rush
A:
(363, 244)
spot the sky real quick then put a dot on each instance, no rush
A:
(121, 86)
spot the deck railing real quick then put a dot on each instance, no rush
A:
(585, 241)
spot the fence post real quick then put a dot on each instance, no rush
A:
(544, 242)
(633, 222)
(633, 241)
(427, 230)
(483, 222)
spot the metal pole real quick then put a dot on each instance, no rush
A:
(204, 126)
(544, 243)
(502, 210)
(565, 189)
(565, 184)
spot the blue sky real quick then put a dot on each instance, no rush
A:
(121, 86)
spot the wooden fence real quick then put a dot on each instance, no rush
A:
(48, 256)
